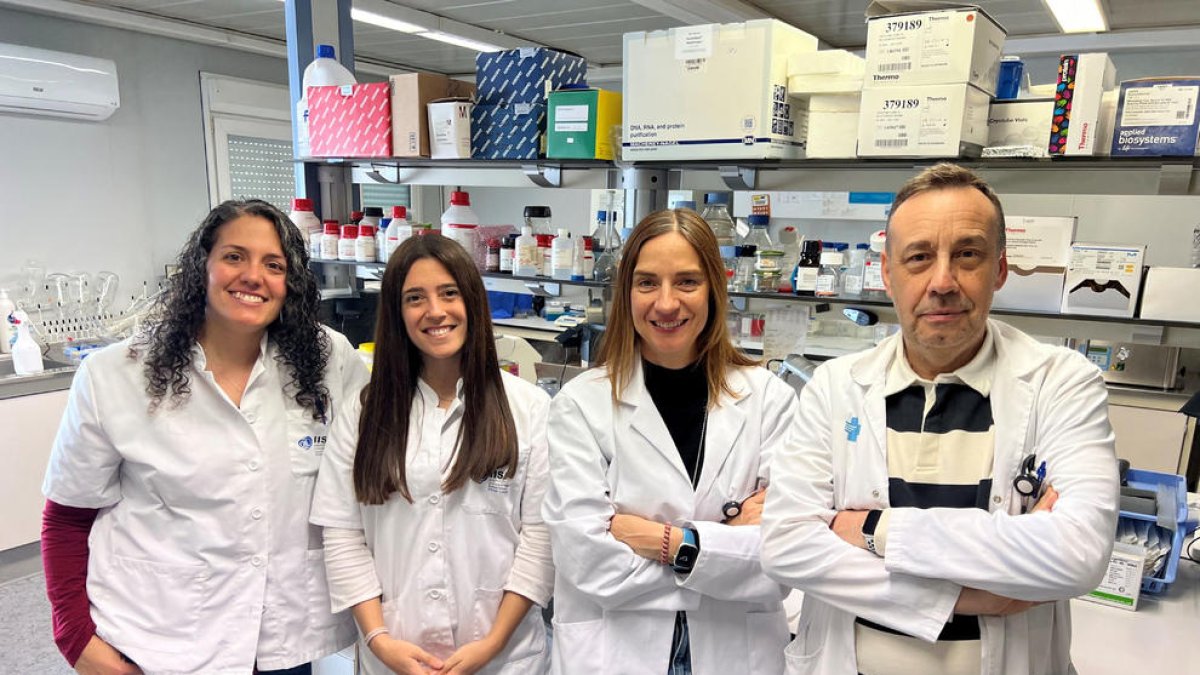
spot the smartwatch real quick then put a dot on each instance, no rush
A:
(868, 529)
(689, 550)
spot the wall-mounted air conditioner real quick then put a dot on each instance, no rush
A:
(42, 82)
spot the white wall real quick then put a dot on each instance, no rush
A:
(119, 195)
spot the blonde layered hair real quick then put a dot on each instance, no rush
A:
(620, 348)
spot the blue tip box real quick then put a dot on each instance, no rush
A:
(525, 75)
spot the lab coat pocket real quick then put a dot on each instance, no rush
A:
(527, 641)
(578, 647)
(159, 605)
(766, 634)
(320, 619)
(306, 441)
(804, 652)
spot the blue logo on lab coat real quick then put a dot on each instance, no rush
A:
(306, 442)
(852, 429)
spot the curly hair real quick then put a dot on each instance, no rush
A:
(178, 314)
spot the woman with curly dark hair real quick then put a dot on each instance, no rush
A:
(186, 460)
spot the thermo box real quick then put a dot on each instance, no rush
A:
(1078, 103)
(934, 120)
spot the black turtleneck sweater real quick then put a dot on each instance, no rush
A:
(681, 397)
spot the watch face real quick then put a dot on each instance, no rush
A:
(685, 557)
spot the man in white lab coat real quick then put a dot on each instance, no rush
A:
(955, 485)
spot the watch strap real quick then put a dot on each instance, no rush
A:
(688, 551)
(868, 529)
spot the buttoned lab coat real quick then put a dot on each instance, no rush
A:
(614, 611)
(444, 561)
(1045, 400)
(202, 558)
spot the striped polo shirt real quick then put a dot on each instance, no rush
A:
(940, 445)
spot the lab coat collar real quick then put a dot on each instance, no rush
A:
(200, 359)
(724, 425)
(430, 397)
(1016, 355)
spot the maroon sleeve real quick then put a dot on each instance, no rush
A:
(65, 532)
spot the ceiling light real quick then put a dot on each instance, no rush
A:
(385, 21)
(1078, 16)
(459, 41)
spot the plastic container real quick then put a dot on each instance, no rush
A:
(347, 247)
(873, 288)
(789, 241)
(716, 213)
(399, 230)
(529, 259)
(578, 256)
(364, 243)
(538, 218)
(26, 352)
(461, 224)
(308, 223)
(758, 235)
(373, 216)
(589, 257)
(545, 245)
(356, 217)
(329, 240)
(1008, 83)
(562, 255)
(1152, 480)
(323, 71)
(766, 281)
(829, 274)
(7, 307)
(744, 276)
(852, 280)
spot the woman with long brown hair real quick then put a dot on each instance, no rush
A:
(657, 464)
(430, 491)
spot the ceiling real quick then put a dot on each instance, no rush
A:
(593, 28)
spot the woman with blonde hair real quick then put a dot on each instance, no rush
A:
(658, 461)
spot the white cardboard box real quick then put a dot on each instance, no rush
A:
(953, 45)
(450, 129)
(935, 120)
(1170, 294)
(1079, 98)
(832, 135)
(1020, 123)
(831, 71)
(717, 91)
(1103, 279)
(1122, 582)
(1038, 251)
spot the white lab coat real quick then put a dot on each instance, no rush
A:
(444, 561)
(202, 559)
(614, 611)
(1045, 400)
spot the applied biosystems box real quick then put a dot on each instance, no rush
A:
(1157, 117)
(935, 120)
(717, 91)
(954, 45)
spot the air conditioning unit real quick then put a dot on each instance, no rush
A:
(43, 82)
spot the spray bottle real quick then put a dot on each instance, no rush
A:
(26, 353)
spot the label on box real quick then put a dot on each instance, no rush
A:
(693, 42)
(893, 121)
(1122, 582)
(1105, 262)
(1163, 105)
(914, 42)
(760, 204)
(1039, 241)
(571, 118)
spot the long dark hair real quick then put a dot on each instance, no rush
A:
(714, 348)
(178, 314)
(487, 439)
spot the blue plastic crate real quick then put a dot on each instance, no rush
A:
(1150, 480)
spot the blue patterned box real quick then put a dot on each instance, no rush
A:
(525, 75)
(507, 132)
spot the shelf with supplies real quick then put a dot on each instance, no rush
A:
(1057, 175)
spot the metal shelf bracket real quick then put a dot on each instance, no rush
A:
(543, 175)
(739, 177)
(544, 288)
(1175, 179)
(383, 174)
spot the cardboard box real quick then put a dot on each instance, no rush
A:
(1122, 583)
(1103, 279)
(936, 120)
(1156, 117)
(580, 124)
(712, 92)
(525, 75)
(411, 92)
(450, 128)
(832, 135)
(350, 121)
(1082, 81)
(1020, 123)
(1038, 251)
(952, 45)
(508, 131)
(1170, 294)
(833, 71)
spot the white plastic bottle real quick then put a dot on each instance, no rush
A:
(529, 258)
(372, 215)
(852, 280)
(26, 353)
(873, 288)
(346, 244)
(323, 71)
(329, 241)
(829, 276)
(562, 254)
(381, 254)
(7, 307)
(306, 221)
(461, 224)
(364, 243)
(399, 230)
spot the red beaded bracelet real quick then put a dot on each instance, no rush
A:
(666, 545)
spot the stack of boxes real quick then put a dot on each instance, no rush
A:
(718, 91)
(413, 130)
(929, 79)
(830, 85)
(509, 118)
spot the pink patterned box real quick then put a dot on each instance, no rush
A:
(350, 121)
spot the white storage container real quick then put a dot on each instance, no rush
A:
(936, 120)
